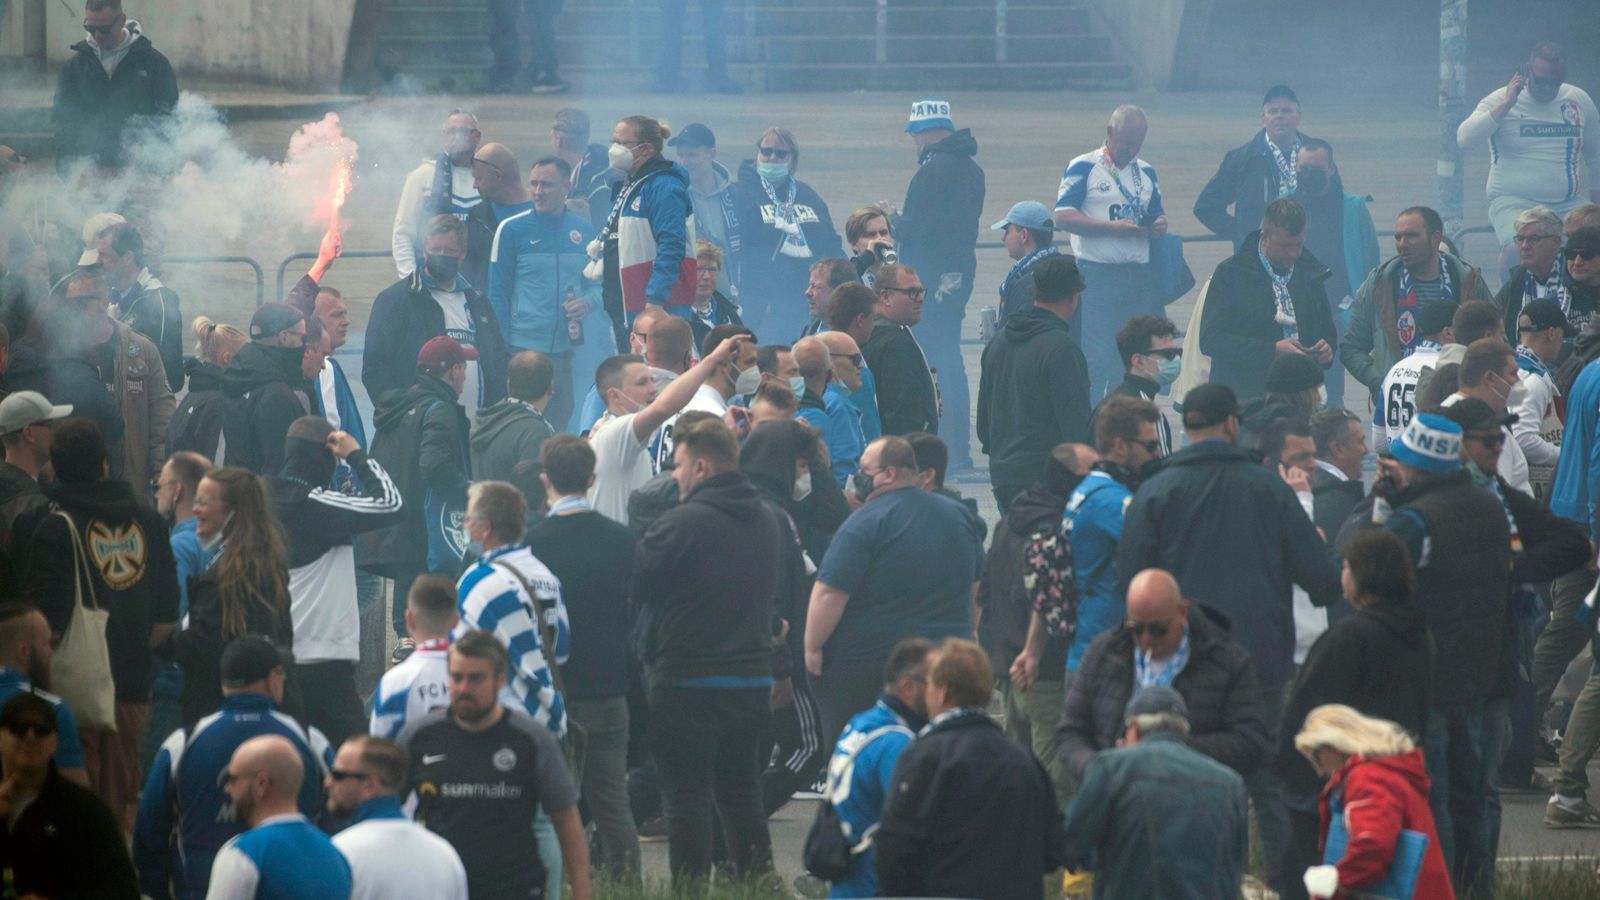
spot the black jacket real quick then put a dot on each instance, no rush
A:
(938, 227)
(153, 310)
(1331, 503)
(132, 569)
(1237, 540)
(196, 423)
(1584, 302)
(970, 813)
(1004, 601)
(20, 494)
(1033, 394)
(420, 439)
(1218, 684)
(317, 519)
(1247, 180)
(593, 557)
(907, 398)
(773, 285)
(1378, 660)
(1237, 329)
(766, 455)
(404, 317)
(92, 108)
(200, 643)
(67, 845)
(1140, 388)
(705, 584)
(1460, 544)
(265, 393)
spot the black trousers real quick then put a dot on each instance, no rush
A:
(332, 706)
(507, 49)
(707, 745)
(798, 749)
(844, 690)
(670, 65)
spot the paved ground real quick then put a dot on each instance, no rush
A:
(854, 153)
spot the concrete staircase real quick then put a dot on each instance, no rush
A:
(777, 45)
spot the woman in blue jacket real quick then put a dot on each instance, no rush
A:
(783, 228)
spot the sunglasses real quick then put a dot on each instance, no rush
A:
(100, 29)
(37, 729)
(341, 775)
(774, 152)
(1155, 629)
(1584, 255)
(856, 359)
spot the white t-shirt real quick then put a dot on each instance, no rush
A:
(1397, 398)
(621, 465)
(706, 399)
(1091, 188)
(458, 325)
(407, 224)
(399, 858)
(1534, 151)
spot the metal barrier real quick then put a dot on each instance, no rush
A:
(261, 278)
(283, 267)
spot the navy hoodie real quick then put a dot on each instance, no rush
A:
(1033, 395)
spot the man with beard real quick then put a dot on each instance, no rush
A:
(282, 854)
(480, 773)
(25, 654)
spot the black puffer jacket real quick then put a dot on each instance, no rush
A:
(1378, 660)
(265, 393)
(92, 108)
(196, 424)
(1218, 684)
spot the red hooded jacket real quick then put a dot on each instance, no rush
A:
(1383, 795)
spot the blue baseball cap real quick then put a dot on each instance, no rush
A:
(927, 114)
(1028, 214)
(1431, 443)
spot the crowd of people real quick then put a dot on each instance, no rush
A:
(661, 591)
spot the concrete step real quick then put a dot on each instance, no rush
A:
(821, 21)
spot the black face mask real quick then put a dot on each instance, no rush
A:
(1312, 182)
(444, 269)
(863, 485)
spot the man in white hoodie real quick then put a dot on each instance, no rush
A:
(431, 191)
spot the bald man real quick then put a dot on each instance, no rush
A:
(283, 854)
(497, 176)
(1168, 641)
(826, 403)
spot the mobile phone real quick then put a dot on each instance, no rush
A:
(1524, 72)
(1148, 220)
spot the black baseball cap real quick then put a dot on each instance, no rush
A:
(247, 659)
(28, 708)
(693, 135)
(1209, 405)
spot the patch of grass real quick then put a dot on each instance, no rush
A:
(770, 887)
(1574, 878)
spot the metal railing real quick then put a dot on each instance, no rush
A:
(283, 267)
(261, 279)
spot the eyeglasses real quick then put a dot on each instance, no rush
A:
(1166, 352)
(856, 359)
(914, 293)
(37, 729)
(341, 775)
(774, 152)
(641, 336)
(1530, 329)
(1584, 255)
(1155, 629)
(1496, 439)
(1525, 239)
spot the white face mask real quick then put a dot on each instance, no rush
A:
(211, 543)
(620, 157)
(802, 486)
(798, 385)
(748, 381)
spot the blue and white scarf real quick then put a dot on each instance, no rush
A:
(1528, 361)
(1553, 287)
(959, 712)
(1149, 672)
(1022, 266)
(1280, 294)
(570, 504)
(1288, 166)
(785, 220)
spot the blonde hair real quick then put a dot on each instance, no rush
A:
(705, 250)
(214, 341)
(1339, 727)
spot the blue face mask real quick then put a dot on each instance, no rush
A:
(773, 171)
(798, 385)
(1167, 370)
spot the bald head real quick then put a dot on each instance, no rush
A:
(811, 355)
(837, 342)
(1156, 612)
(264, 778)
(497, 174)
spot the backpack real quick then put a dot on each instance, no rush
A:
(1048, 574)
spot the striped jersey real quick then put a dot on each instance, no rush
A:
(1089, 186)
(412, 689)
(492, 599)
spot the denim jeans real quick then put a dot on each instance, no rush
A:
(605, 781)
(707, 745)
(1454, 746)
(1112, 294)
(939, 333)
(544, 831)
